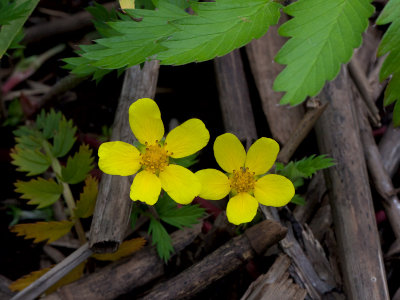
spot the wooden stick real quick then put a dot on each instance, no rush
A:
(5, 292)
(113, 206)
(300, 133)
(350, 195)
(275, 284)
(54, 275)
(234, 97)
(126, 274)
(220, 263)
(389, 147)
(282, 120)
(379, 175)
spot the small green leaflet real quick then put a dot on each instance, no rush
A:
(48, 123)
(297, 171)
(13, 28)
(184, 216)
(323, 34)
(32, 161)
(87, 200)
(299, 200)
(161, 239)
(10, 10)
(391, 44)
(78, 166)
(64, 138)
(187, 161)
(39, 191)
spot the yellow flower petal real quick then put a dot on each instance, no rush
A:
(119, 158)
(127, 4)
(229, 152)
(241, 209)
(187, 138)
(146, 187)
(214, 184)
(180, 184)
(145, 121)
(274, 190)
(262, 155)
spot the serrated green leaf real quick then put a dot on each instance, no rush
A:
(10, 31)
(42, 231)
(299, 200)
(64, 138)
(297, 171)
(161, 239)
(39, 191)
(10, 10)
(33, 141)
(48, 123)
(323, 34)
(78, 166)
(391, 66)
(32, 161)
(87, 200)
(217, 28)
(184, 216)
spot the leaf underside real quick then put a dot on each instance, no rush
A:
(391, 44)
(323, 34)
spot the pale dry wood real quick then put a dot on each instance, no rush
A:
(234, 97)
(351, 201)
(389, 148)
(322, 219)
(5, 292)
(55, 274)
(315, 192)
(379, 175)
(282, 120)
(300, 133)
(275, 284)
(113, 206)
(221, 262)
(126, 274)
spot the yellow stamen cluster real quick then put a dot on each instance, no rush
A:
(242, 180)
(155, 158)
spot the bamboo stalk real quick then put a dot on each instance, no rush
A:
(113, 206)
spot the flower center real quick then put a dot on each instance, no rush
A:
(242, 180)
(155, 158)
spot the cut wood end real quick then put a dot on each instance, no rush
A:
(265, 234)
(105, 247)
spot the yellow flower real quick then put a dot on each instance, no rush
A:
(153, 158)
(243, 178)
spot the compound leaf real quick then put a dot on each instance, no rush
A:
(323, 34)
(85, 205)
(126, 249)
(48, 123)
(161, 239)
(32, 161)
(78, 166)
(42, 231)
(64, 138)
(39, 191)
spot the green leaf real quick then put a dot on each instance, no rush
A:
(323, 34)
(64, 138)
(161, 239)
(10, 31)
(299, 200)
(78, 166)
(48, 123)
(39, 191)
(10, 10)
(185, 216)
(391, 66)
(185, 162)
(32, 161)
(14, 114)
(87, 200)
(42, 231)
(296, 171)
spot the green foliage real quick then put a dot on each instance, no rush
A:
(391, 44)
(161, 239)
(184, 216)
(19, 214)
(299, 200)
(32, 161)
(187, 161)
(13, 15)
(64, 138)
(297, 171)
(14, 113)
(85, 205)
(39, 191)
(176, 37)
(43, 231)
(48, 123)
(78, 166)
(323, 36)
